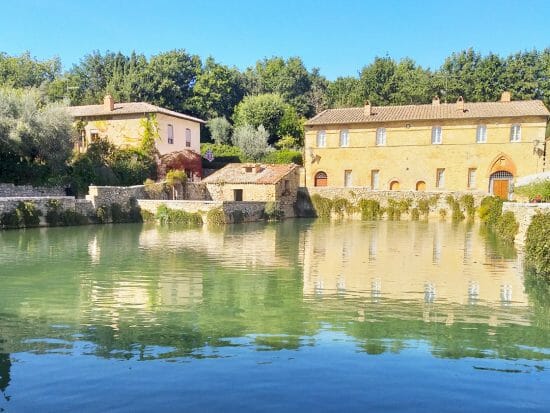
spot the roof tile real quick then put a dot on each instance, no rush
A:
(234, 173)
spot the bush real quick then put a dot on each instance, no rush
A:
(146, 216)
(342, 206)
(423, 206)
(220, 130)
(215, 217)
(490, 210)
(25, 215)
(539, 191)
(322, 206)
(467, 202)
(415, 214)
(442, 213)
(10, 220)
(370, 209)
(223, 154)
(252, 141)
(507, 227)
(537, 245)
(284, 156)
(102, 214)
(167, 215)
(154, 190)
(272, 212)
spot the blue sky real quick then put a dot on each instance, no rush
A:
(338, 36)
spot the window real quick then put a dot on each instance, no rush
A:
(286, 188)
(347, 178)
(481, 134)
(344, 138)
(380, 136)
(321, 139)
(375, 179)
(237, 194)
(170, 134)
(437, 137)
(187, 138)
(472, 178)
(515, 133)
(440, 178)
(94, 135)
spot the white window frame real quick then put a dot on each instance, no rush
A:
(481, 134)
(348, 178)
(437, 135)
(515, 133)
(380, 136)
(375, 179)
(440, 178)
(187, 137)
(344, 138)
(472, 172)
(170, 132)
(321, 139)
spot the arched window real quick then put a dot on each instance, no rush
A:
(321, 179)
(394, 185)
(421, 186)
(321, 139)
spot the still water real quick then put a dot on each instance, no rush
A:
(297, 316)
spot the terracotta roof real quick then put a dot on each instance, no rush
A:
(431, 112)
(235, 173)
(126, 109)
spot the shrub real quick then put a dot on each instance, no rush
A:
(220, 130)
(29, 215)
(10, 220)
(215, 217)
(146, 216)
(341, 206)
(423, 206)
(117, 214)
(539, 191)
(537, 245)
(442, 213)
(103, 214)
(223, 154)
(415, 214)
(175, 179)
(154, 190)
(53, 213)
(284, 156)
(322, 206)
(370, 209)
(252, 141)
(490, 210)
(167, 215)
(507, 227)
(272, 212)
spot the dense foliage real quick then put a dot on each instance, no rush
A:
(536, 191)
(537, 244)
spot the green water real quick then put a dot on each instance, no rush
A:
(295, 316)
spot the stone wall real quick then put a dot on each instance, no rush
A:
(354, 194)
(11, 190)
(81, 206)
(107, 195)
(195, 191)
(234, 211)
(524, 213)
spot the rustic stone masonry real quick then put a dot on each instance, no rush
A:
(107, 195)
(233, 211)
(354, 194)
(524, 213)
(11, 190)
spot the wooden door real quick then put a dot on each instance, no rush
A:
(321, 179)
(500, 188)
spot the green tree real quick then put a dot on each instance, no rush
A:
(266, 110)
(252, 141)
(25, 71)
(345, 92)
(220, 130)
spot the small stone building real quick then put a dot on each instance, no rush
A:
(257, 183)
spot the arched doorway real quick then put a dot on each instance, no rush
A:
(500, 183)
(394, 185)
(421, 186)
(321, 179)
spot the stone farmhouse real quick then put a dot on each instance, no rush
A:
(257, 183)
(459, 146)
(120, 123)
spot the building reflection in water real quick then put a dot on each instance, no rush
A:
(5, 371)
(411, 260)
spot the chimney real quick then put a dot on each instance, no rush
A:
(109, 103)
(506, 96)
(460, 104)
(435, 100)
(368, 108)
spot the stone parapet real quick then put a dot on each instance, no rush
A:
(107, 195)
(524, 213)
(11, 190)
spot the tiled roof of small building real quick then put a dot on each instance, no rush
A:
(235, 173)
(380, 114)
(126, 109)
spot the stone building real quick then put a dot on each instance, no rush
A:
(460, 146)
(256, 182)
(121, 124)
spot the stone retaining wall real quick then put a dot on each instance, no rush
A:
(107, 195)
(11, 190)
(354, 194)
(234, 211)
(524, 213)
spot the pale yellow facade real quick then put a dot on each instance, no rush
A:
(127, 131)
(408, 160)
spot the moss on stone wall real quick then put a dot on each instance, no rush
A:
(537, 245)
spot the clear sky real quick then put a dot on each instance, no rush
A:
(337, 36)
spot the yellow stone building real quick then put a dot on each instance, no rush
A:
(121, 124)
(460, 146)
